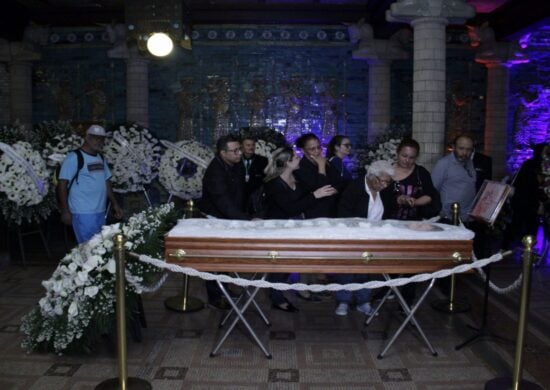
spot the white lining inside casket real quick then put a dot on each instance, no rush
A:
(320, 228)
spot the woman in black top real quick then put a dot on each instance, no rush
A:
(315, 172)
(286, 198)
(412, 195)
(338, 149)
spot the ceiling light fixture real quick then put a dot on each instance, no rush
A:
(160, 44)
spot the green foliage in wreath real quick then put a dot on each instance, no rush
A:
(79, 305)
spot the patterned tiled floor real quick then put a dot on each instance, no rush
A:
(312, 349)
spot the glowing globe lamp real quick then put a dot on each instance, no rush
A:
(160, 44)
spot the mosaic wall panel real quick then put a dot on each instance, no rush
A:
(290, 78)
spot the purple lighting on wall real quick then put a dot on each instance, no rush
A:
(530, 97)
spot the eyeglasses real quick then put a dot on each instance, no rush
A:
(235, 151)
(346, 145)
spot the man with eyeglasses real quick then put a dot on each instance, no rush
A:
(454, 176)
(223, 182)
(222, 195)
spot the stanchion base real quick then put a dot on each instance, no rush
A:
(506, 383)
(444, 305)
(182, 304)
(131, 384)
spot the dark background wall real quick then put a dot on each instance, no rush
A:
(278, 76)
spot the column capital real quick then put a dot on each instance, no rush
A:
(502, 54)
(135, 55)
(23, 52)
(380, 51)
(406, 11)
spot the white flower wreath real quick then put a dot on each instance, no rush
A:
(386, 151)
(55, 150)
(23, 176)
(179, 174)
(133, 155)
(81, 291)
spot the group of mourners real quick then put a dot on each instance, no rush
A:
(239, 184)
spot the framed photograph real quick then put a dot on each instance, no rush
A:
(489, 201)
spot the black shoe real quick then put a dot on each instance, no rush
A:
(219, 303)
(285, 306)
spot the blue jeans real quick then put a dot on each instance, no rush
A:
(345, 296)
(85, 226)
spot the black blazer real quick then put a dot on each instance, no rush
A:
(354, 201)
(484, 168)
(255, 176)
(222, 191)
(285, 203)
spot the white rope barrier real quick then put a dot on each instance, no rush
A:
(500, 290)
(316, 287)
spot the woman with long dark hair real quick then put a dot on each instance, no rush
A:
(412, 195)
(287, 198)
(338, 149)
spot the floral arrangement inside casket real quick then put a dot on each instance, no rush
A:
(25, 190)
(133, 154)
(79, 305)
(182, 168)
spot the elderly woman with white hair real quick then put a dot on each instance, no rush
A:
(362, 199)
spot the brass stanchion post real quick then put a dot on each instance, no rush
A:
(451, 305)
(515, 382)
(122, 382)
(183, 302)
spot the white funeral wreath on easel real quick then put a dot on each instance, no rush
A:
(134, 156)
(24, 180)
(182, 168)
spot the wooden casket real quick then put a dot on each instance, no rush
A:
(348, 245)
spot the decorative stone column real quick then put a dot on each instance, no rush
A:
(137, 89)
(496, 116)
(498, 62)
(379, 54)
(429, 19)
(20, 72)
(137, 75)
(379, 98)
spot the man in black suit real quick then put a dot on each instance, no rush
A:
(222, 195)
(253, 171)
(484, 168)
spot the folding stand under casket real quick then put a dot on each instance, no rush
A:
(409, 315)
(262, 256)
(239, 307)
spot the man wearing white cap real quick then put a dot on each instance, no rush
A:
(84, 187)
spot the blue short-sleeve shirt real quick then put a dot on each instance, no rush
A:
(88, 194)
